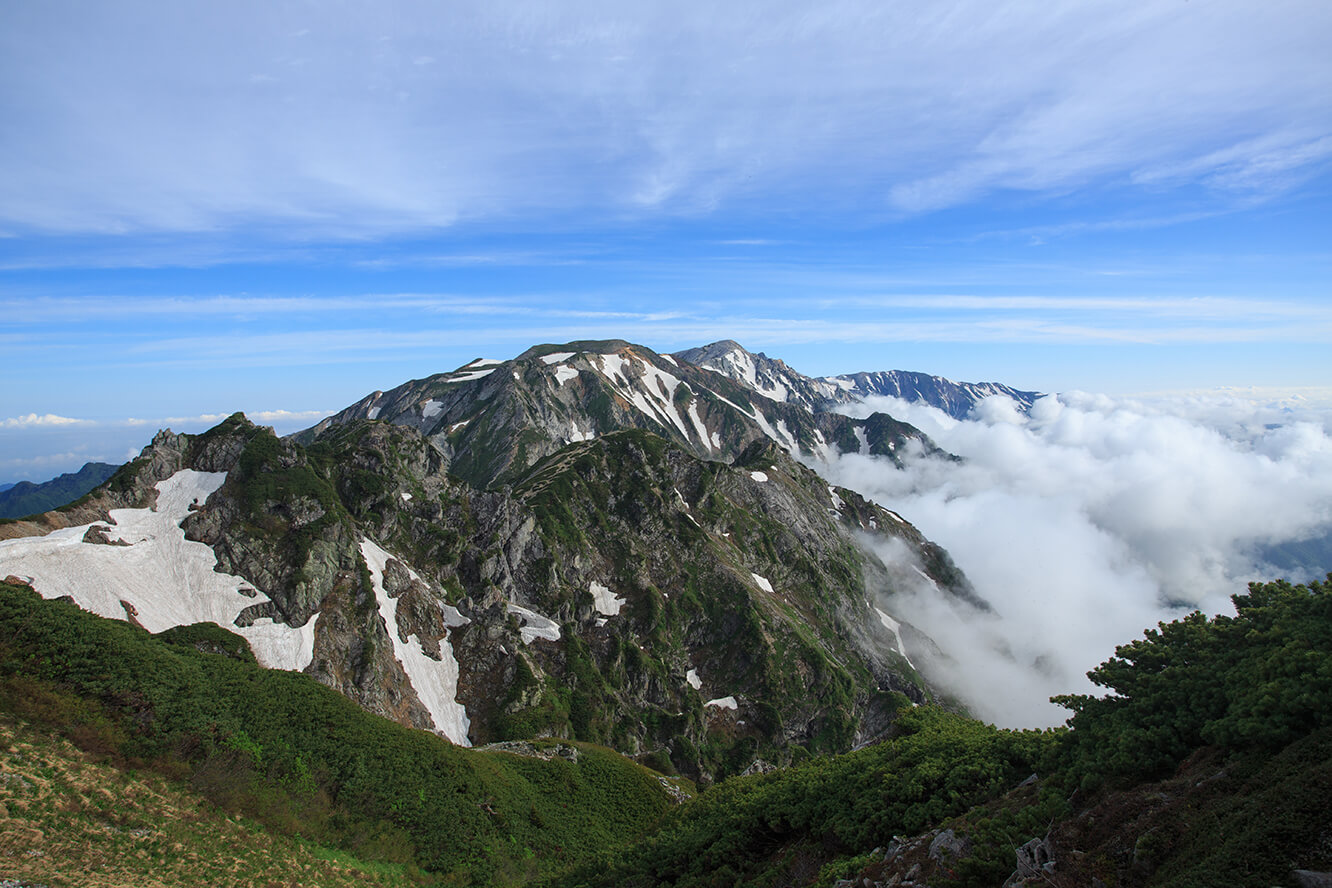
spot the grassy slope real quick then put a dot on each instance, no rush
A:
(762, 830)
(69, 820)
(1243, 810)
(305, 760)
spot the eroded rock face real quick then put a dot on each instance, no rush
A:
(631, 538)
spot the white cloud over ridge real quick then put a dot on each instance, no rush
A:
(33, 420)
(401, 117)
(1091, 520)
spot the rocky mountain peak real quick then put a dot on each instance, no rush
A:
(593, 346)
(772, 378)
(591, 540)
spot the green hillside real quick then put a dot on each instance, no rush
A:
(304, 760)
(1210, 763)
(26, 498)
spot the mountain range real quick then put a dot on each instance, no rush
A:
(619, 578)
(591, 540)
(27, 498)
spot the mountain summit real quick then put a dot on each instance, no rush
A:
(495, 419)
(772, 378)
(591, 541)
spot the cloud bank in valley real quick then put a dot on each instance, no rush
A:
(1092, 519)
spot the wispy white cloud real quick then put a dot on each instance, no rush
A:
(45, 420)
(67, 309)
(1241, 311)
(382, 121)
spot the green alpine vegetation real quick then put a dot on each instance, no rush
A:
(305, 761)
(1209, 763)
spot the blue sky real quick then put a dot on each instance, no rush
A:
(277, 207)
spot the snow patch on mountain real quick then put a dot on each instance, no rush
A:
(472, 376)
(556, 357)
(564, 373)
(723, 703)
(863, 439)
(604, 600)
(654, 398)
(713, 442)
(759, 476)
(896, 628)
(167, 579)
(692, 679)
(435, 681)
(534, 625)
(762, 582)
(925, 576)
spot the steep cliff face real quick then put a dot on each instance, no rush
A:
(591, 541)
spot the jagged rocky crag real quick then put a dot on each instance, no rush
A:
(592, 541)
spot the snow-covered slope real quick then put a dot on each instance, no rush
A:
(434, 680)
(588, 541)
(494, 423)
(143, 569)
(773, 379)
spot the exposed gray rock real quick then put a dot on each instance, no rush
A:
(99, 534)
(1035, 860)
(949, 846)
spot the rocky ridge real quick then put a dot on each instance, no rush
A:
(591, 541)
(492, 420)
(772, 378)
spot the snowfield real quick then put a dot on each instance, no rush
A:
(604, 600)
(166, 579)
(535, 625)
(470, 376)
(435, 681)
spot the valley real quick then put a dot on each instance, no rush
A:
(591, 557)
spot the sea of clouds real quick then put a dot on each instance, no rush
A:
(1092, 518)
